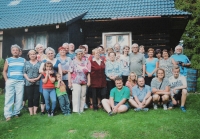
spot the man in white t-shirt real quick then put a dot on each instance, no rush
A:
(178, 88)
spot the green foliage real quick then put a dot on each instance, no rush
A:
(1, 67)
(155, 124)
(192, 32)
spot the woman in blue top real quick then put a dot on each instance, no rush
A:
(112, 70)
(151, 66)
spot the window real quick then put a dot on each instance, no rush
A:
(111, 38)
(32, 39)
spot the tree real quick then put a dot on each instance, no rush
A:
(191, 36)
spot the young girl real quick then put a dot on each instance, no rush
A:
(48, 80)
(62, 95)
(132, 81)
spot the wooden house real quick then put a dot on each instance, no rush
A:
(152, 23)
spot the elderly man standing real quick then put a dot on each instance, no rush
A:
(137, 61)
(13, 75)
(118, 101)
(182, 60)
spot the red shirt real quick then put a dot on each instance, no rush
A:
(97, 75)
(48, 84)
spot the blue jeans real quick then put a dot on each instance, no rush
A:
(52, 94)
(64, 103)
(13, 96)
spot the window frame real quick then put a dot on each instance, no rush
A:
(105, 34)
(35, 34)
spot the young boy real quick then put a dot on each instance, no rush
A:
(62, 95)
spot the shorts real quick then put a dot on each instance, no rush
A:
(178, 95)
(127, 105)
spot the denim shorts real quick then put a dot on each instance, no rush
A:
(127, 105)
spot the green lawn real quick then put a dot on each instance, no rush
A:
(155, 124)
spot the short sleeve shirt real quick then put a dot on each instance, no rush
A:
(181, 58)
(136, 63)
(176, 82)
(151, 65)
(140, 94)
(79, 71)
(156, 84)
(65, 66)
(32, 71)
(167, 65)
(58, 92)
(118, 95)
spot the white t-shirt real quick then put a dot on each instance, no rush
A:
(176, 82)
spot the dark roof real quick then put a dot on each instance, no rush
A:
(43, 12)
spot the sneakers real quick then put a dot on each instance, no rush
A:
(137, 109)
(183, 109)
(52, 113)
(155, 106)
(145, 109)
(85, 106)
(165, 106)
(49, 114)
(110, 113)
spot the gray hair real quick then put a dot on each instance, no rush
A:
(15, 46)
(50, 49)
(134, 44)
(179, 47)
(38, 45)
(65, 44)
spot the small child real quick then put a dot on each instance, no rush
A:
(62, 95)
(48, 80)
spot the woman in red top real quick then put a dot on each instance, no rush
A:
(98, 80)
(48, 80)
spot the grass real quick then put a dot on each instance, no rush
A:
(154, 124)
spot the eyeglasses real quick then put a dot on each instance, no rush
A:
(50, 53)
(134, 47)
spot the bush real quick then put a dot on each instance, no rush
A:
(1, 68)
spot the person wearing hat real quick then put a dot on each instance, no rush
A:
(13, 75)
(78, 80)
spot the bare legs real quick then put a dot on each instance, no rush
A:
(107, 106)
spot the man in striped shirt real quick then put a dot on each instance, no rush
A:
(13, 75)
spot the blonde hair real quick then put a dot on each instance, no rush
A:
(38, 45)
(94, 51)
(129, 77)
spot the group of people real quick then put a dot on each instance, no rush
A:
(115, 79)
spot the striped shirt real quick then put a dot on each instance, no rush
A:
(15, 68)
